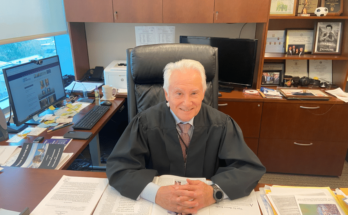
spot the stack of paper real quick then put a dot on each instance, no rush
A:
(270, 93)
(83, 86)
(339, 93)
(286, 200)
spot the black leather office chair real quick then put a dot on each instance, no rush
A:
(145, 66)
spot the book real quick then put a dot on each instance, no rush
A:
(39, 155)
(304, 94)
(112, 202)
(63, 141)
(269, 93)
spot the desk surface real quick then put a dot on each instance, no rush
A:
(27, 187)
(76, 146)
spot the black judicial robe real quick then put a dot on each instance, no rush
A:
(150, 147)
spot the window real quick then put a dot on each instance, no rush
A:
(23, 52)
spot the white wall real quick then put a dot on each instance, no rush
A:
(109, 41)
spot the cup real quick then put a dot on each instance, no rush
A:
(109, 93)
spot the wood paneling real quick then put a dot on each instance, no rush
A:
(137, 11)
(188, 11)
(246, 114)
(246, 11)
(320, 158)
(88, 10)
(253, 144)
(79, 49)
(290, 121)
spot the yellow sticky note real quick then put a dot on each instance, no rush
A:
(49, 122)
(69, 105)
(51, 107)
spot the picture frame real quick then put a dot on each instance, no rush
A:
(328, 38)
(298, 47)
(283, 7)
(272, 77)
(335, 7)
(300, 37)
(308, 5)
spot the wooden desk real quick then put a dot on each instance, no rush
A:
(76, 146)
(24, 187)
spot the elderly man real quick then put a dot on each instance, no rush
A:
(183, 137)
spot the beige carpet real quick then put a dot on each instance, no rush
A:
(305, 180)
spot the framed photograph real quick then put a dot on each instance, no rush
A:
(328, 38)
(335, 7)
(300, 37)
(296, 49)
(307, 7)
(283, 7)
(271, 77)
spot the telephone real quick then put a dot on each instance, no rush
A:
(96, 74)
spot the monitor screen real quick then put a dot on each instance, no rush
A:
(33, 87)
(236, 58)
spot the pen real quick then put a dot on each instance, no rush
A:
(62, 126)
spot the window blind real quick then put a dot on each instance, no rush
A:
(22, 20)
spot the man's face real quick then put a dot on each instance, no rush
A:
(328, 29)
(185, 94)
(293, 47)
(301, 49)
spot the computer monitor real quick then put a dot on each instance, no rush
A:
(33, 87)
(236, 58)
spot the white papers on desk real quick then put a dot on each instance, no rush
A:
(112, 202)
(72, 196)
(7, 212)
(339, 93)
(146, 35)
(83, 86)
(6, 152)
(321, 69)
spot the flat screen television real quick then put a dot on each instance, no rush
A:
(236, 58)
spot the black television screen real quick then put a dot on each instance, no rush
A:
(236, 58)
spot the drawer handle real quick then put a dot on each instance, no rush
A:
(222, 105)
(311, 108)
(301, 144)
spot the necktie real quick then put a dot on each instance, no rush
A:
(184, 137)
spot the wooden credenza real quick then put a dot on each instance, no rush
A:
(299, 137)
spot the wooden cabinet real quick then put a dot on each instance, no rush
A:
(246, 114)
(246, 11)
(137, 11)
(305, 121)
(188, 11)
(302, 156)
(88, 10)
(304, 138)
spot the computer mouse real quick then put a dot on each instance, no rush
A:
(106, 103)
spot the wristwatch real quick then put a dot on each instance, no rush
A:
(218, 195)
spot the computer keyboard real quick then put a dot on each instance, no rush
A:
(91, 118)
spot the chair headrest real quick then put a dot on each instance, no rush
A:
(151, 60)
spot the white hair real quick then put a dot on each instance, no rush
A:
(181, 65)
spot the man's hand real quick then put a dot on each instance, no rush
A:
(203, 193)
(185, 199)
(177, 200)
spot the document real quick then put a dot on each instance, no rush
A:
(147, 35)
(83, 86)
(72, 196)
(322, 69)
(339, 93)
(113, 203)
(315, 205)
(6, 152)
(299, 37)
(296, 68)
(262, 199)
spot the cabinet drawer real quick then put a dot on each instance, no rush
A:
(305, 121)
(246, 114)
(302, 156)
(88, 11)
(253, 144)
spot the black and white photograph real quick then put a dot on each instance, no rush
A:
(328, 36)
(296, 49)
(271, 77)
